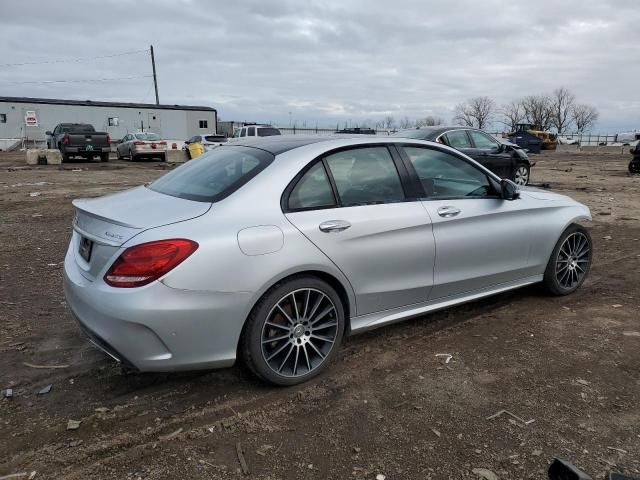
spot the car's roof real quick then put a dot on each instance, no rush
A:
(277, 144)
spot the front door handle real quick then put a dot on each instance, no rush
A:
(448, 211)
(334, 226)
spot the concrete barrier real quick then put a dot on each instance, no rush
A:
(43, 156)
(611, 149)
(567, 148)
(176, 156)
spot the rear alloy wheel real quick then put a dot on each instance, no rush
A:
(521, 176)
(294, 331)
(570, 261)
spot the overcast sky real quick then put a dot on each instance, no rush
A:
(328, 61)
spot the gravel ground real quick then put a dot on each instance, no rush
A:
(567, 366)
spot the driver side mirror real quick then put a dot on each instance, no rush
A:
(509, 190)
(498, 149)
(48, 132)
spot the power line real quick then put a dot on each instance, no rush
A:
(85, 80)
(75, 60)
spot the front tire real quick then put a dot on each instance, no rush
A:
(522, 174)
(570, 261)
(634, 166)
(294, 331)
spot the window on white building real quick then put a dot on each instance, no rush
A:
(3, 118)
(114, 121)
(204, 123)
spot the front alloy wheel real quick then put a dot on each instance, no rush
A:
(294, 331)
(570, 261)
(521, 176)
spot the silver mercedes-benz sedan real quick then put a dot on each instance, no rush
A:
(272, 249)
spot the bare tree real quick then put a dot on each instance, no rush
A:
(405, 123)
(562, 103)
(428, 121)
(389, 122)
(513, 113)
(476, 112)
(584, 116)
(537, 110)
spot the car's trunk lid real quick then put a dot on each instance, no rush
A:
(108, 222)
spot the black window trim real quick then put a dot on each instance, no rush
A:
(404, 176)
(494, 181)
(481, 133)
(461, 129)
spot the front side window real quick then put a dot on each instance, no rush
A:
(365, 176)
(203, 123)
(313, 190)
(251, 132)
(444, 175)
(483, 141)
(243, 132)
(214, 175)
(458, 139)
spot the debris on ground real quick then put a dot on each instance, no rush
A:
(241, 459)
(46, 389)
(485, 473)
(262, 451)
(380, 476)
(436, 432)
(582, 382)
(14, 475)
(35, 194)
(507, 412)
(101, 410)
(73, 424)
(444, 357)
(31, 365)
(7, 393)
(620, 450)
(171, 435)
(616, 305)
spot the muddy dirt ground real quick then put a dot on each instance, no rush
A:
(387, 406)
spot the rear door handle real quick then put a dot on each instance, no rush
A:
(334, 226)
(448, 211)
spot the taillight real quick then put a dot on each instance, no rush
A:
(144, 263)
(138, 142)
(108, 139)
(65, 139)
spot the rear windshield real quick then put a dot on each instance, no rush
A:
(268, 132)
(77, 129)
(417, 133)
(147, 136)
(214, 175)
(215, 138)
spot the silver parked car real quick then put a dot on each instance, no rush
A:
(274, 248)
(142, 144)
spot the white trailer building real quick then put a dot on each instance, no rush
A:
(27, 119)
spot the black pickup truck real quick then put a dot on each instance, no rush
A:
(79, 140)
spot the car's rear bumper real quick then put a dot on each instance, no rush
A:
(149, 151)
(84, 151)
(156, 327)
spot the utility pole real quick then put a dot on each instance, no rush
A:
(155, 79)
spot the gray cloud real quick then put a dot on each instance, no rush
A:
(330, 61)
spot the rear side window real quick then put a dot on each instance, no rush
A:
(365, 175)
(268, 132)
(214, 175)
(458, 139)
(251, 132)
(313, 190)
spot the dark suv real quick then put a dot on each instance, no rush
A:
(503, 158)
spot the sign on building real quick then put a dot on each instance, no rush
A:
(30, 118)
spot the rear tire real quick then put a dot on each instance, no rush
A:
(293, 332)
(104, 157)
(634, 166)
(570, 261)
(132, 157)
